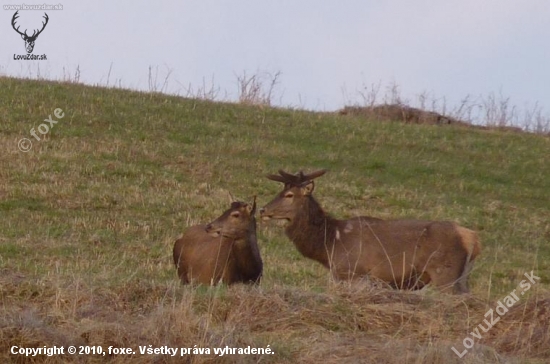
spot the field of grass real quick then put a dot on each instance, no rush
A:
(91, 212)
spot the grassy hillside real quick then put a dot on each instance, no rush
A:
(91, 212)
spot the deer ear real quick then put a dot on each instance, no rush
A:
(252, 208)
(23, 36)
(307, 188)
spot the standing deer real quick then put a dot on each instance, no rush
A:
(408, 254)
(225, 250)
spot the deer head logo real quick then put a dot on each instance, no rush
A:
(29, 40)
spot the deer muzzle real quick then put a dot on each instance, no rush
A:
(265, 215)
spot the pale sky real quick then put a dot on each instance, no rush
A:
(447, 49)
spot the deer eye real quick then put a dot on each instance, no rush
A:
(235, 214)
(289, 195)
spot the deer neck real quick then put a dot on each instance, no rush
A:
(247, 255)
(312, 231)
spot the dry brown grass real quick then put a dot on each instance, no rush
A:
(348, 323)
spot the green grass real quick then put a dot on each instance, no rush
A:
(90, 214)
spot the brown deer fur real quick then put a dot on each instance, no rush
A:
(225, 250)
(408, 254)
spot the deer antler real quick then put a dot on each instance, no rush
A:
(43, 26)
(34, 34)
(13, 19)
(295, 179)
(290, 178)
(315, 174)
(276, 178)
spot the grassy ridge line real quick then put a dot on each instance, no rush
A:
(90, 214)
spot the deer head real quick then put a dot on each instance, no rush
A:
(235, 221)
(297, 187)
(29, 40)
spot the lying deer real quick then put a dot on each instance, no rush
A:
(225, 250)
(408, 254)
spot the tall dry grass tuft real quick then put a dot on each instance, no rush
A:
(206, 91)
(492, 111)
(153, 79)
(258, 88)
